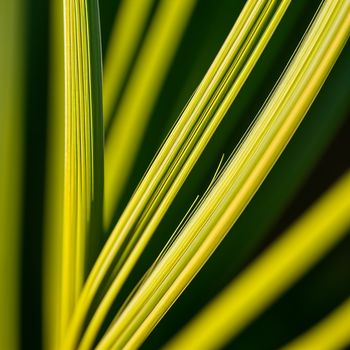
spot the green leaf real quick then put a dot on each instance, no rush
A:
(83, 169)
(245, 171)
(175, 160)
(264, 280)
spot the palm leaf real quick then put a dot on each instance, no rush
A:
(83, 177)
(264, 280)
(238, 182)
(124, 268)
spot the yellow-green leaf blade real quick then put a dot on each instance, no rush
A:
(246, 170)
(83, 169)
(181, 150)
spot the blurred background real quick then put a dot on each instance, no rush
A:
(317, 155)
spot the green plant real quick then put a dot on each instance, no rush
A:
(121, 268)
